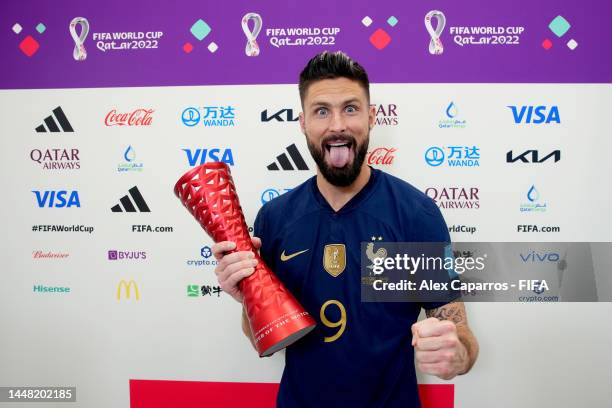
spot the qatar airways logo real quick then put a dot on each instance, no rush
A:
(381, 156)
(138, 117)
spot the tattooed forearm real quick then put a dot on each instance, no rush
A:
(454, 311)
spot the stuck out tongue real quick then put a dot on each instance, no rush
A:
(339, 156)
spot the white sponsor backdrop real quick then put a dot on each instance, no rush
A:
(532, 355)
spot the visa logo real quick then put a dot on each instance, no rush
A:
(57, 199)
(535, 114)
(196, 157)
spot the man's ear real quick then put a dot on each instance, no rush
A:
(372, 116)
(302, 123)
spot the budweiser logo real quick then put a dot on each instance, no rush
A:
(381, 156)
(48, 254)
(140, 117)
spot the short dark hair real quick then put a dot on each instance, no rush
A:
(331, 65)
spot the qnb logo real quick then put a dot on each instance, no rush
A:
(125, 290)
(196, 157)
(535, 114)
(533, 156)
(57, 199)
(126, 205)
(51, 122)
(283, 115)
(211, 116)
(285, 163)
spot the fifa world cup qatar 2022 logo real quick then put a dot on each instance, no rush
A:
(252, 48)
(435, 44)
(79, 53)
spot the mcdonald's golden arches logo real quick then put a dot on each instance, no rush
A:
(127, 287)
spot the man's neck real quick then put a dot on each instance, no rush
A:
(336, 196)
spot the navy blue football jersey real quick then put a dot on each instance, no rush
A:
(360, 354)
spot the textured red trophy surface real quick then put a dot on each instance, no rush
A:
(275, 316)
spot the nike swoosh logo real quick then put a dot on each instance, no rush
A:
(284, 257)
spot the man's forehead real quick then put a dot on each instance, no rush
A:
(337, 89)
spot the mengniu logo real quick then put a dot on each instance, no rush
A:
(57, 198)
(453, 156)
(285, 163)
(382, 156)
(51, 122)
(29, 46)
(535, 115)
(138, 117)
(533, 156)
(203, 290)
(210, 116)
(128, 290)
(126, 203)
(196, 157)
(283, 115)
(386, 115)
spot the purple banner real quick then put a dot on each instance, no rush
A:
(79, 44)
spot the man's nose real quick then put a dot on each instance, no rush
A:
(338, 123)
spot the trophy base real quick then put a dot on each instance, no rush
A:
(287, 341)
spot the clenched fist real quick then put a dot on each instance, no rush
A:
(234, 267)
(437, 348)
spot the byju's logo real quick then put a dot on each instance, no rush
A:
(454, 156)
(210, 116)
(452, 120)
(130, 161)
(196, 157)
(270, 194)
(533, 156)
(284, 162)
(283, 115)
(535, 114)
(57, 159)
(114, 255)
(51, 123)
(386, 115)
(126, 204)
(534, 204)
(57, 198)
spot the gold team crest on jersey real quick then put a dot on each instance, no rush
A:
(334, 259)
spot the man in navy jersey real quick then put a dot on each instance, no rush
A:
(360, 354)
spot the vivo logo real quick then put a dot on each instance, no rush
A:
(535, 114)
(534, 256)
(57, 199)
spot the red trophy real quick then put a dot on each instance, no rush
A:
(275, 316)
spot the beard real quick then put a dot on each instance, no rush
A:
(339, 176)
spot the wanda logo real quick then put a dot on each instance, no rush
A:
(381, 156)
(139, 117)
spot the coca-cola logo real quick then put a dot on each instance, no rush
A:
(381, 156)
(139, 117)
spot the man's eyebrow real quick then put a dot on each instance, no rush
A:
(327, 104)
